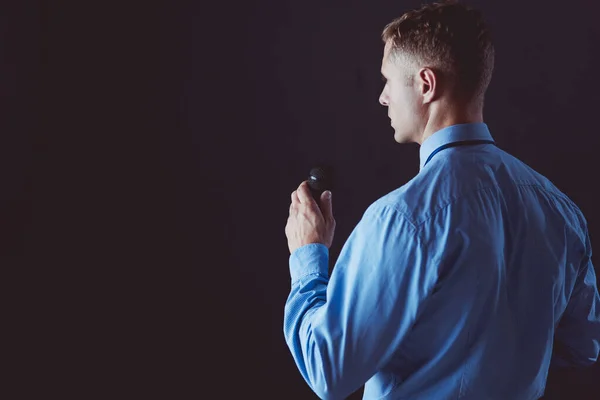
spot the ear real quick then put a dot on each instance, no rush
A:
(428, 84)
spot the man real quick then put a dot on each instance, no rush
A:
(469, 281)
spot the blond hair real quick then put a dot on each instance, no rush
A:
(453, 40)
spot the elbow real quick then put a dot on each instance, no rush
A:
(583, 362)
(587, 362)
(574, 361)
(327, 392)
(590, 358)
(569, 355)
(328, 387)
(331, 373)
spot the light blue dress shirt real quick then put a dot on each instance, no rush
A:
(453, 286)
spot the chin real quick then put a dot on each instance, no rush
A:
(401, 137)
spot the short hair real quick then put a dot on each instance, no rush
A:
(453, 40)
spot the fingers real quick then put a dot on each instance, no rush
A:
(304, 193)
(295, 202)
(303, 197)
(326, 205)
(295, 199)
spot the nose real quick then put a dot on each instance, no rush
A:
(383, 99)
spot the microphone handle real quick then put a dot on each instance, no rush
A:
(316, 194)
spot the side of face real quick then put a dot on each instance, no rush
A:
(400, 95)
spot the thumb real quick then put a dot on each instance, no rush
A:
(326, 206)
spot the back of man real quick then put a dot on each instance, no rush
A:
(468, 281)
(512, 258)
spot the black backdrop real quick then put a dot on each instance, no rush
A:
(148, 154)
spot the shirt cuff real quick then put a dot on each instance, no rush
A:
(309, 259)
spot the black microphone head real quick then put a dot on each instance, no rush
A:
(320, 179)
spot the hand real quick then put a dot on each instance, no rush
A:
(307, 222)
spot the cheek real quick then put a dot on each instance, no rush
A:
(400, 107)
(399, 100)
(406, 105)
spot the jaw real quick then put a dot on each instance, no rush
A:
(403, 137)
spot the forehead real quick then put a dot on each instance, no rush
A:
(389, 62)
(395, 62)
(386, 52)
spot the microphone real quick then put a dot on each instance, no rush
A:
(320, 179)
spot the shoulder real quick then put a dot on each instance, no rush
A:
(431, 190)
(458, 179)
(521, 175)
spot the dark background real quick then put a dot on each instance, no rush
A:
(148, 154)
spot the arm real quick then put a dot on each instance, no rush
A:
(577, 337)
(340, 331)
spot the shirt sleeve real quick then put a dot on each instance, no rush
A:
(340, 331)
(577, 336)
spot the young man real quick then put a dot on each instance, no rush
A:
(457, 284)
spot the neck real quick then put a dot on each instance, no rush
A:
(442, 116)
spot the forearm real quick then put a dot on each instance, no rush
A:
(311, 340)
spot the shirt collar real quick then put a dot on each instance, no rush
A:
(451, 134)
